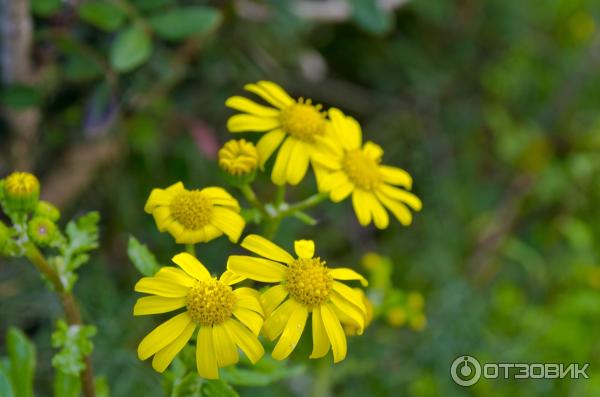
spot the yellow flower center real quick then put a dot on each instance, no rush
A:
(308, 281)
(210, 302)
(192, 209)
(303, 120)
(19, 184)
(362, 170)
(238, 157)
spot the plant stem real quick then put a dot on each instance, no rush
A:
(322, 383)
(69, 304)
(190, 249)
(253, 200)
(302, 205)
(280, 195)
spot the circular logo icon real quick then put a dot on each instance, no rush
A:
(465, 371)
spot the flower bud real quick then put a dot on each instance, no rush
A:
(47, 210)
(42, 231)
(21, 192)
(6, 240)
(239, 160)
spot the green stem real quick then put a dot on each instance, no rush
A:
(190, 249)
(280, 195)
(271, 228)
(69, 304)
(253, 200)
(302, 205)
(322, 383)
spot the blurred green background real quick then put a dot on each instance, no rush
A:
(491, 105)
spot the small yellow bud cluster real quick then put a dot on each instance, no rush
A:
(238, 157)
(21, 192)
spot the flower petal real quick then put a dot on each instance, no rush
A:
(225, 348)
(162, 335)
(272, 298)
(320, 339)
(346, 128)
(349, 310)
(249, 303)
(206, 358)
(279, 173)
(245, 339)
(396, 176)
(335, 333)
(175, 275)
(248, 122)
(158, 197)
(350, 295)
(398, 194)
(160, 287)
(229, 278)
(304, 248)
(275, 323)
(220, 196)
(340, 193)
(165, 356)
(231, 223)
(248, 106)
(276, 92)
(265, 248)
(360, 202)
(373, 150)
(291, 333)
(192, 266)
(297, 164)
(157, 304)
(258, 269)
(378, 213)
(398, 209)
(249, 318)
(267, 144)
(343, 273)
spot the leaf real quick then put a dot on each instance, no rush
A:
(265, 372)
(20, 96)
(6, 389)
(188, 386)
(21, 353)
(74, 343)
(371, 17)
(131, 48)
(66, 385)
(102, 14)
(149, 5)
(142, 258)
(218, 388)
(183, 22)
(45, 8)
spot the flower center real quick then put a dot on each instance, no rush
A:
(361, 169)
(308, 281)
(192, 209)
(210, 302)
(238, 157)
(303, 120)
(21, 184)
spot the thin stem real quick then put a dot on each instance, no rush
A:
(190, 249)
(271, 228)
(322, 384)
(280, 195)
(253, 200)
(69, 304)
(303, 205)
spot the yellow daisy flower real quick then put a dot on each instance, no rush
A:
(195, 216)
(356, 169)
(227, 318)
(310, 287)
(297, 123)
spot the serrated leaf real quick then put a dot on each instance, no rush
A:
(74, 344)
(131, 48)
(371, 17)
(21, 353)
(102, 14)
(142, 258)
(183, 22)
(66, 385)
(218, 388)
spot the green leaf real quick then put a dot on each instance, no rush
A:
(45, 8)
(131, 48)
(142, 258)
(20, 96)
(265, 372)
(6, 389)
(183, 22)
(22, 362)
(371, 17)
(66, 385)
(218, 388)
(149, 5)
(188, 386)
(74, 343)
(102, 14)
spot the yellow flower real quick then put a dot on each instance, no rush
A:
(227, 318)
(195, 216)
(356, 169)
(238, 157)
(297, 123)
(310, 287)
(21, 191)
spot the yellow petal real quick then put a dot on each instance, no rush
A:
(343, 273)
(206, 358)
(395, 176)
(175, 188)
(249, 318)
(264, 94)
(231, 223)
(165, 356)
(258, 269)
(398, 194)
(334, 180)
(158, 197)
(340, 193)
(335, 333)
(244, 292)
(160, 287)
(246, 105)
(373, 150)
(349, 310)
(247, 122)
(398, 209)
(162, 218)
(304, 248)
(297, 163)
(265, 248)
(157, 304)
(175, 275)
(267, 144)
(245, 339)
(378, 213)
(272, 298)
(249, 303)
(220, 196)
(211, 232)
(291, 333)
(360, 202)
(230, 278)
(320, 339)
(162, 335)
(350, 295)
(176, 229)
(279, 173)
(191, 237)
(276, 92)
(225, 348)
(346, 129)
(275, 323)
(192, 266)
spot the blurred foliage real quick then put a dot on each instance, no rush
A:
(491, 105)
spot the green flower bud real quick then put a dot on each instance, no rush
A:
(21, 192)
(8, 246)
(42, 231)
(47, 210)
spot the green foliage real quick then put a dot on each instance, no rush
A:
(66, 385)
(369, 15)
(74, 344)
(20, 96)
(265, 372)
(21, 363)
(183, 22)
(142, 258)
(132, 47)
(102, 14)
